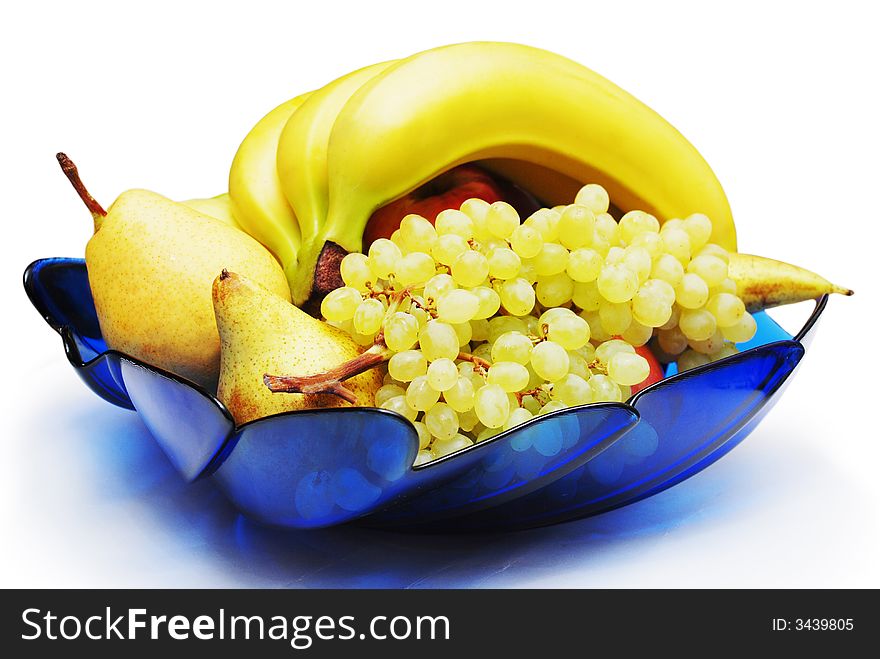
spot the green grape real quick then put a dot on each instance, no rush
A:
(415, 268)
(568, 330)
(501, 219)
(442, 374)
(339, 305)
(584, 264)
(588, 352)
(638, 259)
(387, 391)
(527, 271)
(417, 233)
(437, 285)
(480, 326)
(407, 365)
(728, 285)
(711, 249)
(491, 244)
(550, 360)
(577, 365)
(417, 311)
(443, 447)
(586, 295)
(510, 376)
(437, 340)
(594, 197)
(448, 247)
(726, 350)
(691, 292)
(651, 242)
(572, 390)
(442, 421)
(451, 221)
(615, 317)
(552, 406)
(356, 273)
(363, 339)
(504, 263)
(615, 255)
(423, 457)
(533, 327)
(673, 319)
(491, 405)
(483, 351)
(554, 290)
(708, 346)
(368, 316)
(607, 231)
(463, 332)
(697, 324)
(517, 296)
(470, 269)
(605, 390)
(627, 368)
(546, 222)
(691, 359)
(617, 283)
(699, 228)
(468, 420)
(383, 257)
(424, 435)
(531, 404)
(635, 222)
(517, 417)
(512, 347)
(526, 241)
(711, 269)
(460, 396)
(552, 260)
(387, 379)
(727, 309)
(676, 242)
(607, 349)
(552, 313)
(650, 305)
(420, 395)
(637, 334)
(597, 329)
(742, 331)
(672, 341)
(397, 238)
(475, 208)
(488, 433)
(668, 268)
(576, 226)
(398, 404)
(488, 302)
(457, 306)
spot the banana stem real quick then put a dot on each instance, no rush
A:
(330, 381)
(72, 174)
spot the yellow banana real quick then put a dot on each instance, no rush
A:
(473, 101)
(763, 283)
(255, 190)
(302, 165)
(219, 207)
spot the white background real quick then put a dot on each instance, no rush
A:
(779, 97)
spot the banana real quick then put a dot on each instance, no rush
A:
(473, 101)
(763, 283)
(219, 207)
(302, 169)
(255, 189)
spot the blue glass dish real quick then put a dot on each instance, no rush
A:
(318, 468)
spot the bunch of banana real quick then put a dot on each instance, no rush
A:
(308, 177)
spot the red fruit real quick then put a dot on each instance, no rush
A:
(448, 190)
(655, 374)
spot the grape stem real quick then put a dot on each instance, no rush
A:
(480, 363)
(330, 381)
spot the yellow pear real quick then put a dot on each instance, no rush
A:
(151, 264)
(263, 333)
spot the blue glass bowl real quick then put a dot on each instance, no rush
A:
(318, 468)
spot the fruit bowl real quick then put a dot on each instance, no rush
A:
(318, 468)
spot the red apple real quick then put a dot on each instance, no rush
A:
(655, 374)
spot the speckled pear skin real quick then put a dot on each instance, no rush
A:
(151, 264)
(263, 333)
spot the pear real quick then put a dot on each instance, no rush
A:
(151, 264)
(261, 333)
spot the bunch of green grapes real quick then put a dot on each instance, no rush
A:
(491, 321)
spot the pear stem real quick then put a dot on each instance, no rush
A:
(72, 174)
(330, 381)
